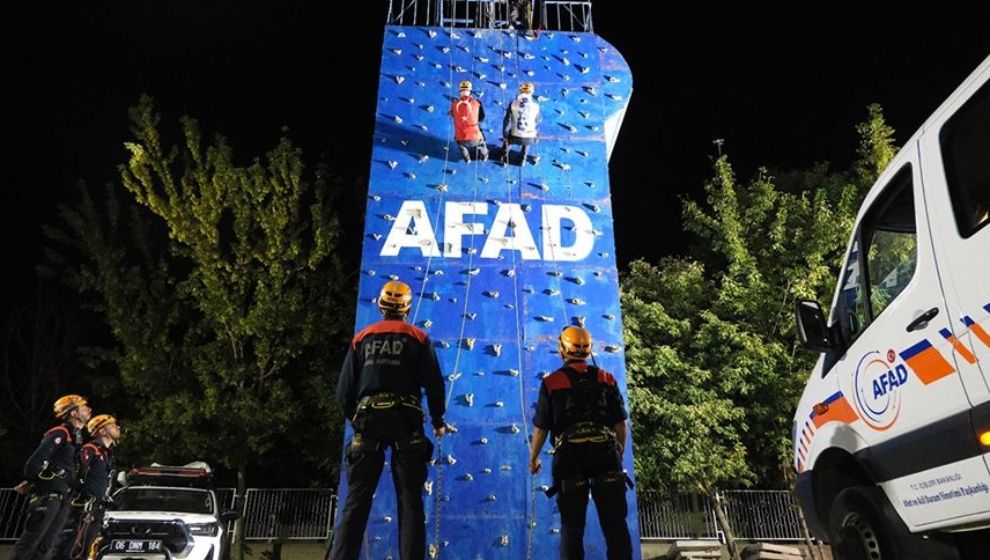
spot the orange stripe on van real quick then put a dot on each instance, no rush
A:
(927, 362)
(959, 347)
(978, 331)
(839, 410)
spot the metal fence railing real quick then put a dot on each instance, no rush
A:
(290, 514)
(675, 516)
(546, 15)
(12, 514)
(308, 514)
(755, 515)
(763, 515)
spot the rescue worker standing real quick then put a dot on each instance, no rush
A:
(468, 113)
(380, 390)
(50, 473)
(96, 459)
(581, 407)
(519, 124)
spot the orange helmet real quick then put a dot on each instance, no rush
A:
(395, 297)
(99, 422)
(526, 87)
(66, 404)
(574, 343)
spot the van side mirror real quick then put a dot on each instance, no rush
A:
(812, 332)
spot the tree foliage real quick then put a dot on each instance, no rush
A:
(714, 372)
(226, 304)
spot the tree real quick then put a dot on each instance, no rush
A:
(222, 293)
(714, 371)
(38, 362)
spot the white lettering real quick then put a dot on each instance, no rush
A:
(411, 228)
(454, 226)
(584, 237)
(510, 216)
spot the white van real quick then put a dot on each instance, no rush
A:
(892, 434)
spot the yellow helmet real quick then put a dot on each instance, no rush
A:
(66, 404)
(99, 422)
(465, 85)
(395, 297)
(574, 343)
(526, 88)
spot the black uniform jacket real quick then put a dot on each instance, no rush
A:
(391, 356)
(52, 466)
(95, 469)
(555, 392)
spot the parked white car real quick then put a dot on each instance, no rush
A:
(165, 513)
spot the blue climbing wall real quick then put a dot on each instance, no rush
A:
(501, 258)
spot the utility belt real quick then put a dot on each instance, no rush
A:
(388, 401)
(36, 497)
(584, 433)
(612, 479)
(87, 502)
(363, 444)
(387, 416)
(52, 473)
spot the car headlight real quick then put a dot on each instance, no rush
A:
(203, 529)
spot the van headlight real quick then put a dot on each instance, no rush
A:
(203, 529)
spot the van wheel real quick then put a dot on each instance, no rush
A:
(865, 527)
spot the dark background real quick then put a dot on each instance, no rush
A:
(784, 86)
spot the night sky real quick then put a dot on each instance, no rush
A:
(784, 86)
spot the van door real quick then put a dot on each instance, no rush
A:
(896, 374)
(956, 174)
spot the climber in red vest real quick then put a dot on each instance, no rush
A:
(468, 113)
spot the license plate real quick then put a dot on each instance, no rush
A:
(136, 546)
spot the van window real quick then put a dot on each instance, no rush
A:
(965, 141)
(852, 305)
(891, 249)
(893, 252)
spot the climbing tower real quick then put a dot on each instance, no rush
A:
(500, 257)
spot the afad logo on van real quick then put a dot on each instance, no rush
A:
(878, 383)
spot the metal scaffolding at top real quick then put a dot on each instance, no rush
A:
(524, 15)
